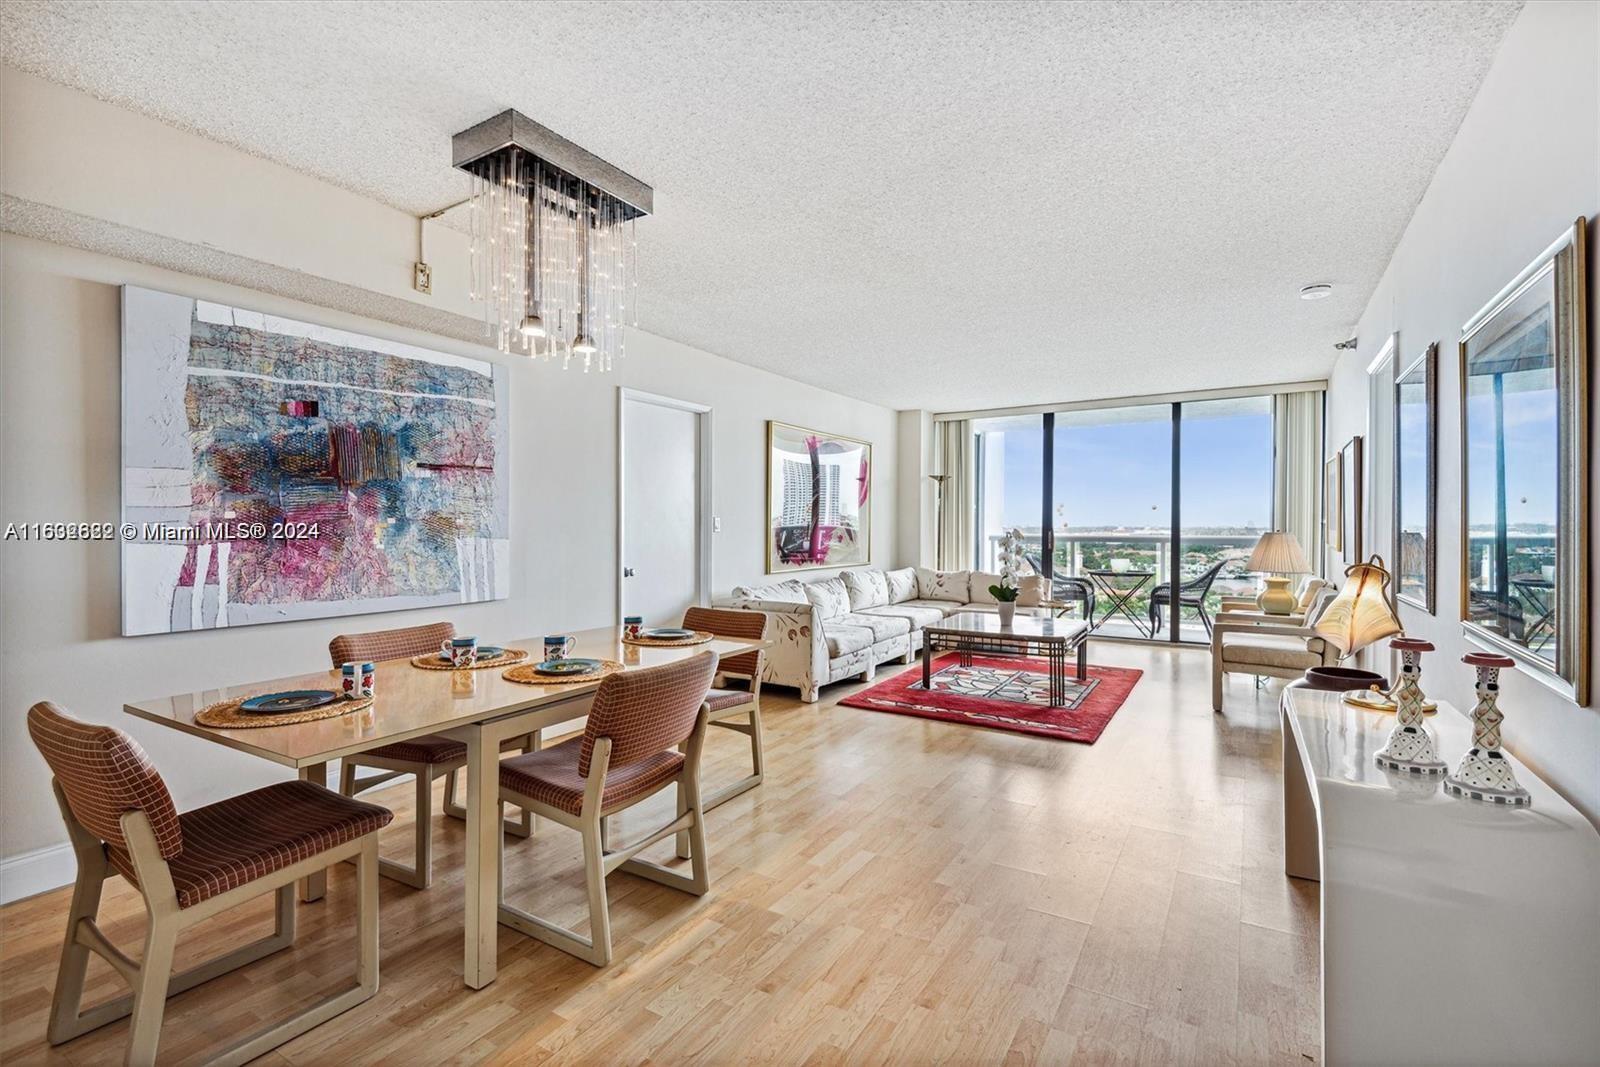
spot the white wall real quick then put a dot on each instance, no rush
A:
(59, 439)
(1525, 163)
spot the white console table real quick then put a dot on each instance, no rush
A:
(1453, 932)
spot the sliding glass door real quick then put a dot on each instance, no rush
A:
(1150, 507)
(1225, 486)
(1111, 508)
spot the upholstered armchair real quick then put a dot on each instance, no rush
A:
(1242, 643)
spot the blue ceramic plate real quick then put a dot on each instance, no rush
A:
(484, 652)
(568, 666)
(283, 703)
(668, 633)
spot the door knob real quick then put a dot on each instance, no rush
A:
(627, 572)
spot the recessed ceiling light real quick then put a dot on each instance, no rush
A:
(1316, 292)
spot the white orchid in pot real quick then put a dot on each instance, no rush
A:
(1013, 562)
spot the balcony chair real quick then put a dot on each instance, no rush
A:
(426, 757)
(121, 820)
(1191, 594)
(1064, 589)
(629, 750)
(724, 705)
(1268, 649)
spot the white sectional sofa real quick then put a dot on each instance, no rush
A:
(844, 626)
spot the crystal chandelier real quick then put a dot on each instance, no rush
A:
(554, 259)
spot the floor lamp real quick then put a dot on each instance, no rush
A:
(938, 519)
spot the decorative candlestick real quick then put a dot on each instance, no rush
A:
(1410, 748)
(1485, 773)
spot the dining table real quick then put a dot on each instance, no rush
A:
(478, 707)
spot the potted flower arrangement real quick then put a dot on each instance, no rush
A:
(1012, 563)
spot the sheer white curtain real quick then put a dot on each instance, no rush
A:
(1297, 468)
(954, 458)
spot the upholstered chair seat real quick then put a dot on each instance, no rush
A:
(189, 867)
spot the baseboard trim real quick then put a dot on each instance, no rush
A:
(37, 872)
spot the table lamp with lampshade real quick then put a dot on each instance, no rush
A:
(1361, 614)
(1278, 557)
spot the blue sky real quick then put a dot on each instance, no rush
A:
(1530, 445)
(1118, 473)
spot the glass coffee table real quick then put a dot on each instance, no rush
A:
(972, 633)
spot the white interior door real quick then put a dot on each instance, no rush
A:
(664, 545)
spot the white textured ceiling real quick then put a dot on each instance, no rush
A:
(925, 205)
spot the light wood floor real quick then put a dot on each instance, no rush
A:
(899, 890)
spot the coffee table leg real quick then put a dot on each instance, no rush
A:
(1058, 676)
(927, 661)
(1083, 658)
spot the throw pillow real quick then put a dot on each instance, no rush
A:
(828, 597)
(902, 585)
(867, 589)
(942, 585)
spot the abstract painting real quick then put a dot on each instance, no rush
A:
(275, 470)
(819, 499)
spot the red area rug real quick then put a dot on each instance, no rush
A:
(1005, 693)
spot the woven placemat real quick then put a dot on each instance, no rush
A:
(430, 661)
(527, 675)
(227, 716)
(700, 637)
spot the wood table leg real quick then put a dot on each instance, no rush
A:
(315, 887)
(483, 859)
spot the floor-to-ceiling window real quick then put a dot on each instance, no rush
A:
(1010, 488)
(1225, 486)
(1111, 509)
(1150, 506)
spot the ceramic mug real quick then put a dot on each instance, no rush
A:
(350, 680)
(558, 646)
(463, 651)
(632, 626)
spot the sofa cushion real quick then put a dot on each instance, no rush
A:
(867, 588)
(1271, 650)
(844, 639)
(943, 607)
(828, 597)
(785, 592)
(942, 585)
(978, 583)
(902, 584)
(917, 616)
(883, 627)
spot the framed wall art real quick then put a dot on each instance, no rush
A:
(1525, 469)
(1416, 461)
(1333, 503)
(276, 470)
(819, 499)
(1351, 502)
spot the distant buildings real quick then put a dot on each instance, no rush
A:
(797, 494)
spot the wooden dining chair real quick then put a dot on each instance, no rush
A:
(426, 758)
(121, 820)
(629, 750)
(727, 706)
